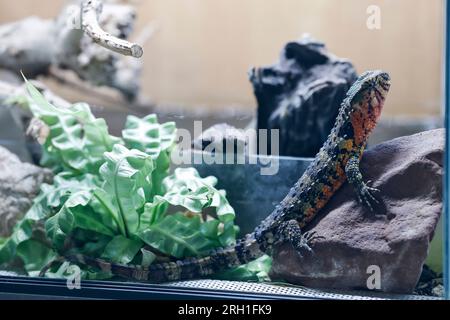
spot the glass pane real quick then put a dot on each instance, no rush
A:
(291, 142)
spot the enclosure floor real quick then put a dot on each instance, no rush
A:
(286, 291)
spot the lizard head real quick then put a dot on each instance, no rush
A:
(367, 98)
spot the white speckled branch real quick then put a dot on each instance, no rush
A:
(90, 11)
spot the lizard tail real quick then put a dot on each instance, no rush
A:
(190, 268)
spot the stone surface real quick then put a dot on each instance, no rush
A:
(408, 171)
(300, 95)
(19, 184)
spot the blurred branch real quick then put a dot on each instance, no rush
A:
(90, 11)
(8, 91)
(76, 40)
(103, 96)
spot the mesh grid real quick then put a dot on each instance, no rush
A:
(294, 291)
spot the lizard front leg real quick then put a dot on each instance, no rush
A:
(290, 232)
(355, 178)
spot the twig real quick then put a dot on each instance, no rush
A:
(90, 11)
(63, 77)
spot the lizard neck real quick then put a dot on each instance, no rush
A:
(358, 116)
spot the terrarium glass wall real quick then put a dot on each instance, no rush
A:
(319, 123)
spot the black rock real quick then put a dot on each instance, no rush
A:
(429, 283)
(300, 95)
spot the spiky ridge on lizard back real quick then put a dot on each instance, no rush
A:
(357, 117)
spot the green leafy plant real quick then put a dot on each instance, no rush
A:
(114, 198)
(76, 140)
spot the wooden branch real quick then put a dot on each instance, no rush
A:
(90, 11)
(75, 41)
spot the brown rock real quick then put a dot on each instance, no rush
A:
(19, 183)
(408, 171)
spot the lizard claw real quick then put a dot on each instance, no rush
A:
(366, 197)
(290, 231)
(310, 236)
(305, 241)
